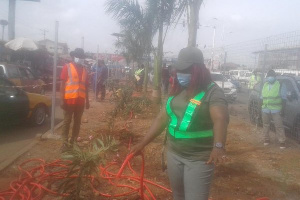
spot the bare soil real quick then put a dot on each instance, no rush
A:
(253, 171)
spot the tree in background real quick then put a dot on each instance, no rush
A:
(137, 29)
(142, 24)
(164, 10)
(139, 25)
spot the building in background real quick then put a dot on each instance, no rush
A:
(49, 45)
(284, 58)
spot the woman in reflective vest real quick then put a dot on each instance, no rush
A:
(196, 118)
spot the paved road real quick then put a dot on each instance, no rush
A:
(240, 106)
(14, 138)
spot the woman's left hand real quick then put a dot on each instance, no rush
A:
(217, 156)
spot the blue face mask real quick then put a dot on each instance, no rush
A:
(271, 79)
(184, 79)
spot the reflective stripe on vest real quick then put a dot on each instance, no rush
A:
(186, 120)
(253, 81)
(271, 98)
(138, 72)
(75, 87)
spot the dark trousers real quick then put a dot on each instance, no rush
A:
(166, 86)
(102, 90)
(75, 112)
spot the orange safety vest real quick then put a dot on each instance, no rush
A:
(75, 88)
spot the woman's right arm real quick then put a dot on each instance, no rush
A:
(156, 129)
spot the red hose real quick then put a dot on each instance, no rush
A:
(36, 182)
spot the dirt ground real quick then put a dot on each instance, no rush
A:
(253, 171)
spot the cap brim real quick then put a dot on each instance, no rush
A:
(182, 65)
(79, 56)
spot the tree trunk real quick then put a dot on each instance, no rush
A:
(146, 78)
(159, 58)
(194, 8)
(158, 66)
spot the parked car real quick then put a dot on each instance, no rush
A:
(234, 81)
(229, 89)
(291, 117)
(17, 105)
(247, 77)
(22, 76)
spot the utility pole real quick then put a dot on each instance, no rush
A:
(3, 27)
(3, 23)
(44, 33)
(96, 75)
(82, 43)
(223, 68)
(11, 19)
(213, 48)
(264, 65)
(54, 80)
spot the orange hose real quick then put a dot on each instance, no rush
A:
(30, 184)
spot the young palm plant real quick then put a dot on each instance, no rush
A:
(85, 164)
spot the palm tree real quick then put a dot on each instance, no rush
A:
(192, 8)
(143, 24)
(138, 29)
(3, 23)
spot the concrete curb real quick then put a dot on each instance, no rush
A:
(26, 148)
(49, 135)
(10, 160)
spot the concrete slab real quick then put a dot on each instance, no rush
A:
(25, 145)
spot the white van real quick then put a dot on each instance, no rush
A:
(240, 74)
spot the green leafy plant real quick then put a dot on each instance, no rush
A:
(85, 164)
(124, 94)
(126, 104)
(136, 105)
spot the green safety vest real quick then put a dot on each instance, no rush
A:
(253, 81)
(180, 131)
(271, 98)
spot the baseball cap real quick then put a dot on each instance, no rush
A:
(271, 73)
(187, 57)
(78, 53)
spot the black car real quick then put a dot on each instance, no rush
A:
(17, 105)
(291, 111)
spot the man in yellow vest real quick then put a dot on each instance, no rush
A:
(139, 76)
(254, 80)
(273, 96)
(74, 96)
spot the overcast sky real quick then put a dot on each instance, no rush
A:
(242, 20)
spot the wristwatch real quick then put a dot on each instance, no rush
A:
(219, 145)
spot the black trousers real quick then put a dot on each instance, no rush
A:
(102, 90)
(75, 112)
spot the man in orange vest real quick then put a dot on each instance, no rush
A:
(74, 96)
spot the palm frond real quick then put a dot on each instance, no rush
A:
(124, 9)
(179, 8)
